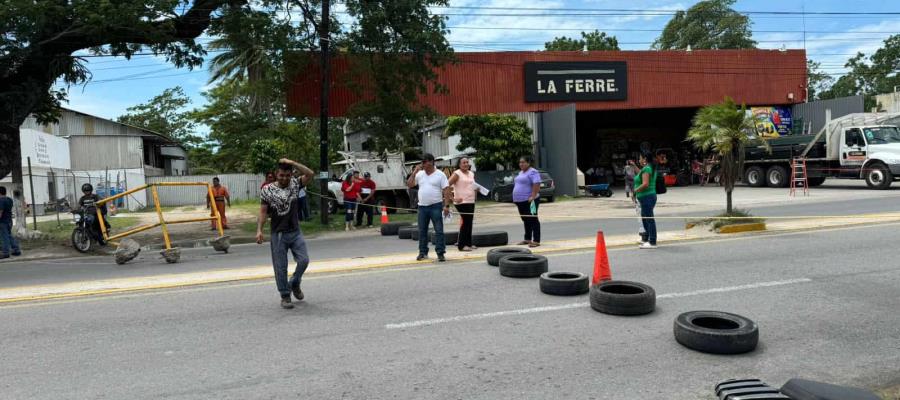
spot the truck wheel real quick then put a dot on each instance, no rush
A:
(818, 181)
(878, 176)
(777, 177)
(495, 196)
(755, 176)
(332, 206)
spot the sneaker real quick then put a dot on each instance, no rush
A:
(421, 257)
(647, 245)
(17, 253)
(298, 294)
(441, 258)
(2, 256)
(286, 303)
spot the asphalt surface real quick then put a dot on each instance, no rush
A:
(826, 303)
(42, 272)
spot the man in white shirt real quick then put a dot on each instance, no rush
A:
(434, 197)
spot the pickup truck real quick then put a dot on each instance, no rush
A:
(389, 171)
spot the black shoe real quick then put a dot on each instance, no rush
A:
(16, 254)
(286, 303)
(421, 257)
(297, 292)
(441, 258)
(2, 256)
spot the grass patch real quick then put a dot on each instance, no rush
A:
(63, 230)
(736, 216)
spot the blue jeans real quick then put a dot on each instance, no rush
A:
(349, 209)
(304, 209)
(282, 242)
(7, 240)
(433, 213)
(647, 204)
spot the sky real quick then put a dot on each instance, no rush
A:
(830, 39)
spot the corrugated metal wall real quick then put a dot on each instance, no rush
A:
(815, 111)
(493, 82)
(240, 186)
(100, 152)
(75, 123)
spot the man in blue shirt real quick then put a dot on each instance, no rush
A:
(6, 238)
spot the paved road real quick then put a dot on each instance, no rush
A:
(831, 315)
(194, 260)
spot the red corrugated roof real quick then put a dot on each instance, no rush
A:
(494, 82)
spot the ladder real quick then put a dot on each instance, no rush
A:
(798, 176)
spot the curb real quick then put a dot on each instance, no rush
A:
(738, 228)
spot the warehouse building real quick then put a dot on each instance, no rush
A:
(597, 109)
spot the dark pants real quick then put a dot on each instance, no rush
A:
(532, 224)
(647, 204)
(282, 242)
(303, 204)
(433, 214)
(365, 208)
(467, 213)
(349, 209)
(7, 240)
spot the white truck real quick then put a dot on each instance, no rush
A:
(389, 171)
(855, 146)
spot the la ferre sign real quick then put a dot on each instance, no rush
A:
(575, 81)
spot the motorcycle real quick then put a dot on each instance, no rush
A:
(84, 233)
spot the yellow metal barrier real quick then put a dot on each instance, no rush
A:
(162, 222)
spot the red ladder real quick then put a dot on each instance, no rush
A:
(798, 176)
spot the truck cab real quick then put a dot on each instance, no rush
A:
(871, 153)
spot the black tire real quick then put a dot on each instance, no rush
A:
(755, 176)
(607, 193)
(449, 237)
(490, 239)
(81, 241)
(406, 232)
(777, 177)
(551, 199)
(878, 176)
(393, 228)
(523, 266)
(716, 332)
(564, 283)
(415, 234)
(623, 298)
(801, 389)
(332, 206)
(494, 255)
(818, 181)
(496, 196)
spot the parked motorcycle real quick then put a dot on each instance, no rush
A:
(84, 234)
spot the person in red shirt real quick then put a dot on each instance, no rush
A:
(351, 189)
(366, 201)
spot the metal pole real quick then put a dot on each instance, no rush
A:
(162, 222)
(125, 189)
(55, 201)
(323, 112)
(33, 204)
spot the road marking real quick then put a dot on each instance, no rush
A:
(472, 317)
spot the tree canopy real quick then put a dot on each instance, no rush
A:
(868, 76)
(709, 24)
(497, 139)
(165, 113)
(590, 41)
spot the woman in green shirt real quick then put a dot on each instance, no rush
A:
(645, 191)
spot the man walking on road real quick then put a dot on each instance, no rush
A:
(366, 200)
(7, 240)
(221, 196)
(434, 196)
(280, 202)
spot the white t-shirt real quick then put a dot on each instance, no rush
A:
(431, 187)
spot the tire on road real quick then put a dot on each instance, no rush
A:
(406, 232)
(777, 177)
(449, 237)
(878, 176)
(415, 234)
(393, 228)
(564, 283)
(755, 176)
(494, 255)
(716, 332)
(817, 181)
(523, 266)
(490, 239)
(623, 298)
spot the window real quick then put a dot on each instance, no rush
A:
(853, 137)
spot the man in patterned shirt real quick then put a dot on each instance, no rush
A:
(279, 201)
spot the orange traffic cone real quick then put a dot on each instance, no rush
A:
(601, 261)
(384, 215)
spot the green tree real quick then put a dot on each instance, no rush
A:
(869, 76)
(590, 41)
(724, 129)
(166, 114)
(709, 24)
(817, 81)
(497, 139)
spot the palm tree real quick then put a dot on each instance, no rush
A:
(724, 128)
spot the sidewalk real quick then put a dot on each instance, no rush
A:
(257, 272)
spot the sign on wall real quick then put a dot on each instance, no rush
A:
(576, 81)
(44, 149)
(772, 122)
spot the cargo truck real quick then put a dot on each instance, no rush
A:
(856, 146)
(389, 171)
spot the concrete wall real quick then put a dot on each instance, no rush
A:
(889, 102)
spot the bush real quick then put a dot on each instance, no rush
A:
(736, 216)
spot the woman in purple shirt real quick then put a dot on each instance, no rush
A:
(525, 193)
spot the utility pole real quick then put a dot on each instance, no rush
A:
(324, 40)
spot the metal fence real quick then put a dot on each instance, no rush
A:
(240, 187)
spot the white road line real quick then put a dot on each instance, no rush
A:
(472, 317)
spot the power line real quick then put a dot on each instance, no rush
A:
(667, 12)
(513, 28)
